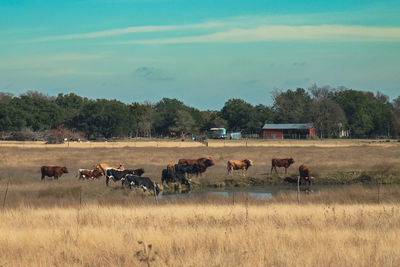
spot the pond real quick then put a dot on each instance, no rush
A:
(254, 191)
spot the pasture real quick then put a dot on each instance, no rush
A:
(83, 223)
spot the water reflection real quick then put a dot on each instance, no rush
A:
(254, 191)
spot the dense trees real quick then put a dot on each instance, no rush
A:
(363, 114)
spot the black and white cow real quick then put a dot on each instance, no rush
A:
(144, 182)
(119, 175)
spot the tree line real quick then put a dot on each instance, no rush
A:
(332, 110)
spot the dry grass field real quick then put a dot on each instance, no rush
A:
(201, 235)
(83, 223)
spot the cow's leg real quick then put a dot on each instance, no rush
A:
(107, 178)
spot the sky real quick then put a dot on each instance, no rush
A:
(200, 52)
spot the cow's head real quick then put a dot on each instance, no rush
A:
(97, 172)
(209, 162)
(291, 161)
(249, 162)
(139, 172)
(64, 169)
(170, 167)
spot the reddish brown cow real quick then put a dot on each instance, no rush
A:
(239, 165)
(53, 171)
(281, 163)
(85, 173)
(305, 174)
(203, 163)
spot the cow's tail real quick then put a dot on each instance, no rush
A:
(228, 167)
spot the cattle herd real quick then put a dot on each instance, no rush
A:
(173, 173)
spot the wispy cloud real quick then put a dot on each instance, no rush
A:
(127, 30)
(329, 33)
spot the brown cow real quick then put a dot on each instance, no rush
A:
(239, 165)
(103, 166)
(203, 163)
(281, 163)
(85, 173)
(53, 171)
(305, 174)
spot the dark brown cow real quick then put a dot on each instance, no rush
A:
(53, 171)
(239, 165)
(203, 163)
(305, 174)
(281, 163)
(85, 173)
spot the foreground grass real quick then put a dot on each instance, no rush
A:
(245, 234)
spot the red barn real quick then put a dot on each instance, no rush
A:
(289, 131)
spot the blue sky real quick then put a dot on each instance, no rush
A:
(201, 52)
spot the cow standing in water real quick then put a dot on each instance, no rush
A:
(53, 171)
(281, 163)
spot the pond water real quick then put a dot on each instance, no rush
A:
(254, 191)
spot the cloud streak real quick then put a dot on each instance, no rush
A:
(322, 33)
(127, 30)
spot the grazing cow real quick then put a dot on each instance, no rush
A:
(203, 163)
(103, 166)
(119, 175)
(144, 182)
(239, 165)
(53, 171)
(305, 174)
(85, 173)
(169, 176)
(281, 163)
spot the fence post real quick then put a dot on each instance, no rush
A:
(298, 189)
(5, 194)
(155, 194)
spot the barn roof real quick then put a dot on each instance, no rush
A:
(288, 126)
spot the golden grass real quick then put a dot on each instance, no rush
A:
(202, 235)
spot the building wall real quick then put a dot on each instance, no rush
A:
(273, 134)
(289, 134)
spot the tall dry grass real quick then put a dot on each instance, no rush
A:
(201, 235)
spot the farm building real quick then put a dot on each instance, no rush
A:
(289, 131)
